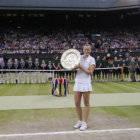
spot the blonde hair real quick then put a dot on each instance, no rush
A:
(86, 45)
(43, 62)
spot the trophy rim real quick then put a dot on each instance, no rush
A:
(64, 62)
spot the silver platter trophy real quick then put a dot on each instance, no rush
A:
(70, 58)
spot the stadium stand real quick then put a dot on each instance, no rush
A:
(42, 35)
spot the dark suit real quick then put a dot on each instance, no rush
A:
(132, 70)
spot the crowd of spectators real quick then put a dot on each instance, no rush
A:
(125, 40)
(21, 40)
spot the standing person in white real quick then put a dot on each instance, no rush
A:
(83, 86)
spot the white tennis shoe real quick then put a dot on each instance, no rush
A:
(83, 126)
(78, 124)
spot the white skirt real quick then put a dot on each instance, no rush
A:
(82, 87)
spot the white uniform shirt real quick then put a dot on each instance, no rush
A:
(82, 77)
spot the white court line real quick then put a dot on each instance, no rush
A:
(69, 132)
(126, 86)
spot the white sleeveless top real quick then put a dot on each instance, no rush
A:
(82, 77)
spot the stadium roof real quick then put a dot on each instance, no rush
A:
(81, 5)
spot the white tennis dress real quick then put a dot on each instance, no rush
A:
(83, 80)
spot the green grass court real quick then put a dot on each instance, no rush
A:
(45, 89)
(21, 116)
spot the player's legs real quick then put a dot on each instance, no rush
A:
(77, 98)
(86, 98)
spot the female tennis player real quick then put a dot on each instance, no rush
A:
(83, 86)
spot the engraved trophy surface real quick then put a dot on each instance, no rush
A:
(70, 58)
